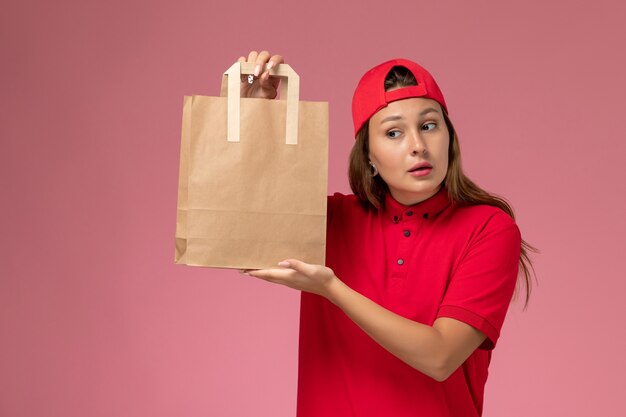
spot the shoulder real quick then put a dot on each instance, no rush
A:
(472, 226)
(347, 209)
(488, 228)
(338, 198)
(482, 216)
(344, 202)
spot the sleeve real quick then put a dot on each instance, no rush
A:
(481, 287)
(333, 203)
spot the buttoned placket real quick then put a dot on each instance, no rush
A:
(407, 226)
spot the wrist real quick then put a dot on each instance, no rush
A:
(334, 289)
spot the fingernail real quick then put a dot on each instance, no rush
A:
(284, 264)
(257, 69)
(270, 65)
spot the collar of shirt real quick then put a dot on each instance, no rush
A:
(397, 212)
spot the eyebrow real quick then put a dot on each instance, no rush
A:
(398, 117)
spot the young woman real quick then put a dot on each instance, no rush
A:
(420, 268)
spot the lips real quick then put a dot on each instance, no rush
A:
(421, 167)
(420, 170)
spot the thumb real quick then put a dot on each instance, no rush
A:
(297, 265)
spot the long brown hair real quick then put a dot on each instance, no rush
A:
(371, 190)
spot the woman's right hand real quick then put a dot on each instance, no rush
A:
(263, 86)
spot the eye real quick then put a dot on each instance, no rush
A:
(429, 126)
(393, 134)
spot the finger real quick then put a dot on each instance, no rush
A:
(260, 62)
(268, 82)
(277, 59)
(263, 272)
(271, 274)
(252, 56)
(242, 59)
(274, 61)
(264, 77)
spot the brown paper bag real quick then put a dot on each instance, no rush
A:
(253, 177)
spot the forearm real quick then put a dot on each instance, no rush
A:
(436, 350)
(422, 347)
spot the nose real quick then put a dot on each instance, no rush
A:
(417, 144)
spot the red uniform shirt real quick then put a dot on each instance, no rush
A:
(430, 260)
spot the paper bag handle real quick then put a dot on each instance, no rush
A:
(234, 103)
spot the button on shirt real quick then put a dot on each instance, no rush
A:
(433, 259)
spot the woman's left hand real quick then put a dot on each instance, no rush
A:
(316, 279)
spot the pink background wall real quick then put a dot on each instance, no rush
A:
(96, 320)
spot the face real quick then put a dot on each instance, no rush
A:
(408, 143)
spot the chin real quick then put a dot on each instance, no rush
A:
(410, 196)
(423, 189)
